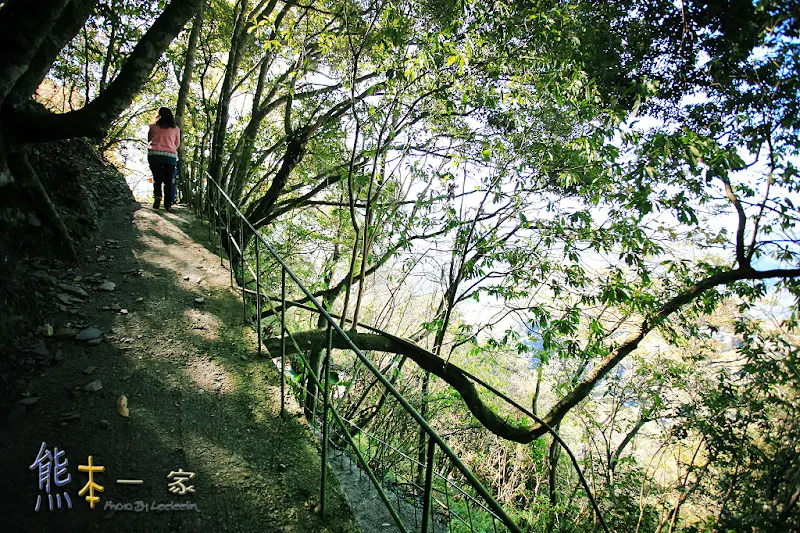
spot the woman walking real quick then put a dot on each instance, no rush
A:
(162, 155)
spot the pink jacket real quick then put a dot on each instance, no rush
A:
(164, 139)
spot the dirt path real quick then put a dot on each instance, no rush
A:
(200, 400)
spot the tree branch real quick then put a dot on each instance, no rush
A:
(95, 117)
(452, 374)
(462, 383)
(584, 388)
(741, 258)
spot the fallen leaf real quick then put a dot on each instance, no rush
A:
(122, 406)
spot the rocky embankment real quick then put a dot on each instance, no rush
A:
(36, 284)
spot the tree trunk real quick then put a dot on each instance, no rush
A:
(243, 152)
(86, 84)
(422, 438)
(235, 54)
(315, 360)
(459, 380)
(112, 41)
(183, 93)
(31, 36)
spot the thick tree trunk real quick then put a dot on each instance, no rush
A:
(463, 384)
(31, 36)
(314, 340)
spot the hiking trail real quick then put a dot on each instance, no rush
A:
(172, 340)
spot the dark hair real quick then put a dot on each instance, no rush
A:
(165, 118)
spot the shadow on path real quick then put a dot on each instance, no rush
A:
(200, 400)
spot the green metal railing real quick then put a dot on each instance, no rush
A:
(438, 492)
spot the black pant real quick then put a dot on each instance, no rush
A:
(162, 168)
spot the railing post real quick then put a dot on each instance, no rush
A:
(218, 213)
(241, 268)
(283, 340)
(326, 399)
(217, 222)
(208, 206)
(426, 499)
(258, 296)
(203, 195)
(229, 240)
